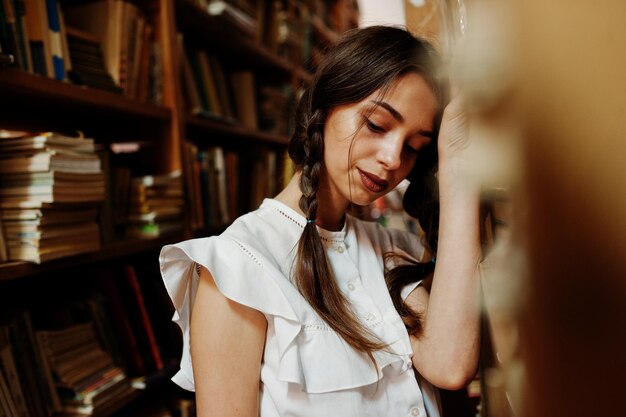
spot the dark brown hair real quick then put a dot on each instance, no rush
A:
(361, 63)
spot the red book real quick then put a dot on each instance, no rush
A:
(143, 312)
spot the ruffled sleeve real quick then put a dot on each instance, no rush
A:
(239, 274)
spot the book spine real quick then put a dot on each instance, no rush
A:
(134, 363)
(54, 28)
(154, 348)
(25, 365)
(11, 42)
(22, 35)
(9, 368)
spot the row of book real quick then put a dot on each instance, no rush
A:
(86, 356)
(62, 195)
(224, 184)
(106, 44)
(234, 97)
(30, 32)
(57, 199)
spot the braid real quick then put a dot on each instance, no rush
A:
(314, 277)
(312, 166)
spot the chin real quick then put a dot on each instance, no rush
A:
(365, 198)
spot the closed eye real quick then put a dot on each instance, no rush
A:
(416, 144)
(411, 149)
(374, 127)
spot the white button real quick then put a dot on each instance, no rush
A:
(371, 317)
(340, 249)
(415, 411)
(351, 287)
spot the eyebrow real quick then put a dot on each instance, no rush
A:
(396, 115)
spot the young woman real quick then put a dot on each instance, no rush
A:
(300, 309)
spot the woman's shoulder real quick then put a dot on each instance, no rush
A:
(260, 238)
(264, 230)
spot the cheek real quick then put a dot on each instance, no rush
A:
(407, 165)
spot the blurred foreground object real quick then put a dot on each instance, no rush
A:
(546, 92)
(573, 93)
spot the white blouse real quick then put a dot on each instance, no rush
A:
(307, 369)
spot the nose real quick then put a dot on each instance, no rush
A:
(390, 153)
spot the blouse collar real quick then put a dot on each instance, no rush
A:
(297, 218)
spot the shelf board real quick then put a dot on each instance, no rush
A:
(238, 48)
(15, 270)
(233, 131)
(39, 88)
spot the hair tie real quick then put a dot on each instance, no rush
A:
(308, 221)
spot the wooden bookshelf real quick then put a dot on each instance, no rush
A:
(239, 51)
(41, 90)
(127, 247)
(36, 103)
(207, 127)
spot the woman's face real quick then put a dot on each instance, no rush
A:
(385, 134)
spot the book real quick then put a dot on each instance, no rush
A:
(56, 43)
(31, 372)
(114, 303)
(243, 83)
(85, 375)
(23, 37)
(143, 312)
(9, 370)
(30, 231)
(88, 65)
(103, 20)
(193, 101)
(7, 404)
(155, 206)
(48, 160)
(77, 143)
(49, 215)
(11, 38)
(39, 38)
(38, 251)
(4, 256)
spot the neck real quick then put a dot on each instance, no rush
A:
(331, 211)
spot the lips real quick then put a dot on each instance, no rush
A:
(372, 182)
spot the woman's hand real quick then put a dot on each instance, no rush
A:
(457, 153)
(454, 131)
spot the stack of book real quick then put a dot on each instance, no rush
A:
(50, 186)
(88, 66)
(87, 380)
(156, 206)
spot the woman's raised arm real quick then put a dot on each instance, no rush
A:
(446, 353)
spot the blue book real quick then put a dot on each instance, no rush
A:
(54, 26)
